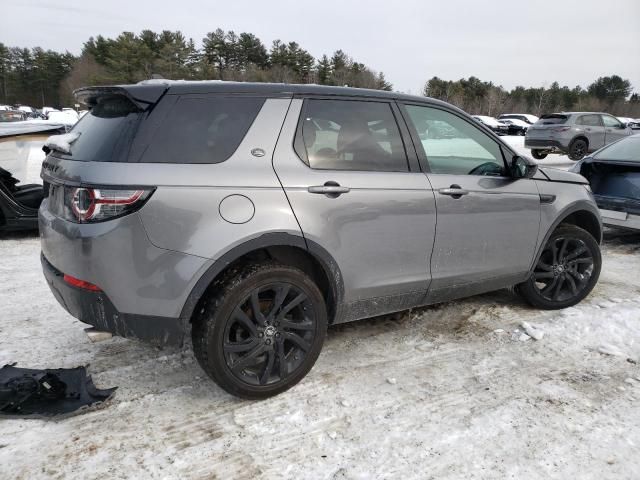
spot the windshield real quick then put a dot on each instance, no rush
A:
(552, 119)
(626, 150)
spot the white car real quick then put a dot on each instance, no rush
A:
(498, 127)
(65, 118)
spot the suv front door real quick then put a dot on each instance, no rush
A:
(614, 129)
(359, 193)
(487, 221)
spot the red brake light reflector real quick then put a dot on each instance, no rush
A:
(76, 282)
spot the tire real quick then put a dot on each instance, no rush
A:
(538, 154)
(564, 278)
(578, 149)
(259, 356)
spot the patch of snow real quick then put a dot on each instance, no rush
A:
(533, 331)
(62, 143)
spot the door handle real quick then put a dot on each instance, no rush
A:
(330, 189)
(454, 191)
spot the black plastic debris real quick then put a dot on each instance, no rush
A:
(60, 391)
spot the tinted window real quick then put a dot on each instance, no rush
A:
(589, 120)
(351, 135)
(465, 150)
(106, 131)
(203, 129)
(552, 119)
(611, 122)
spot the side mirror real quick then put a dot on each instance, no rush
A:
(521, 168)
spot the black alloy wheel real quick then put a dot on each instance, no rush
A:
(578, 149)
(260, 329)
(269, 334)
(566, 271)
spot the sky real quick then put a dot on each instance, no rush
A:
(530, 42)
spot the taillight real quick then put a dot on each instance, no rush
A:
(89, 205)
(560, 129)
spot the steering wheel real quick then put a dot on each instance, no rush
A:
(487, 168)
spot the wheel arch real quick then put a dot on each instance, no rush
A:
(580, 136)
(288, 249)
(581, 214)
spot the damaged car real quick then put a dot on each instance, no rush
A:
(614, 175)
(19, 202)
(251, 216)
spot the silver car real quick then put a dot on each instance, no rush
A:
(573, 133)
(252, 216)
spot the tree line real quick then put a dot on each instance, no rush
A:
(611, 94)
(38, 77)
(41, 77)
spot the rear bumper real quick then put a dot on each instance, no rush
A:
(143, 287)
(543, 144)
(620, 219)
(95, 309)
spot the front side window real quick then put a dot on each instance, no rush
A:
(351, 135)
(462, 150)
(611, 122)
(589, 120)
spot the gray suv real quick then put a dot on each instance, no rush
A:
(252, 216)
(573, 133)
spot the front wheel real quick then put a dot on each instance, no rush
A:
(260, 330)
(566, 272)
(538, 154)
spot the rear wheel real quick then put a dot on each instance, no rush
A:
(566, 272)
(538, 154)
(577, 149)
(260, 330)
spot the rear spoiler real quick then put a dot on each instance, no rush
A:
(143, 96)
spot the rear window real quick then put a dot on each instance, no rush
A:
(626, 150)
(553, 119)
(203, 129)
(106, 131)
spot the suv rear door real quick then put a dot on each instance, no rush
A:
(359, 193)
(487, 222)
(591, 125)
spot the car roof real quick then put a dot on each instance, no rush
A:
(285, 89)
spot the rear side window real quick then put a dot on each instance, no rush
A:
(350, 135)
(203, 129)
(553, 119)
(589, 120)
(106, 132)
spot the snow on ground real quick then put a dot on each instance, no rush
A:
(450, 391)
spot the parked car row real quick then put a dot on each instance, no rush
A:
(508, 123)
(21, 113)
